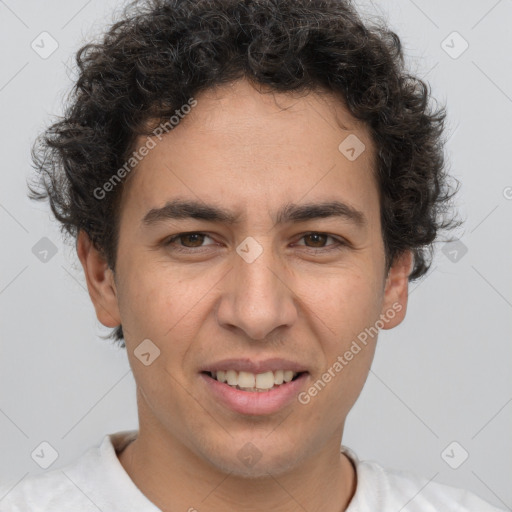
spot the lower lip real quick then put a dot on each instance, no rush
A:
(255, 402)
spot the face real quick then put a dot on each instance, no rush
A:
(281, 267)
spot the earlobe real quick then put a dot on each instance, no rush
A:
(397, 290)
(100, 281)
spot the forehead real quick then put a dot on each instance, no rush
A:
(240, 146)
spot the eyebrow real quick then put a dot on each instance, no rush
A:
(179, 209)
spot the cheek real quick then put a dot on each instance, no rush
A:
(346, 299)
(160, 302)
(144, 299)
(348, 303)
(349, 310)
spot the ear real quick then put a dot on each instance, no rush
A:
(100, 281)
(396, 290)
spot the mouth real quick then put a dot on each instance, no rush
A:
(265, 392)
(254, 383)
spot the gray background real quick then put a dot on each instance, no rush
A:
(442, 376)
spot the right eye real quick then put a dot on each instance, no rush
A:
(194, 238)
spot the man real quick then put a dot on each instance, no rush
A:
(251, 186)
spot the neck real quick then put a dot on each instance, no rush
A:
(174, 478)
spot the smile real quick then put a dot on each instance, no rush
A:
(254, 393)
(247, 381)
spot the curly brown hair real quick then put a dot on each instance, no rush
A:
(163, 52)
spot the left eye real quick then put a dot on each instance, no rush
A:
(319, 238)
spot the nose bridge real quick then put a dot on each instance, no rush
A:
(257, 299)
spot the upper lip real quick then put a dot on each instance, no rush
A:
(256, 367)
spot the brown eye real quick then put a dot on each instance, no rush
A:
(187, 241)
(315, 240)
(318, 239)
(195, 239)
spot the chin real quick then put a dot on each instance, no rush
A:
(254, 463)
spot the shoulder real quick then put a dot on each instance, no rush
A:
(387, 489)
(42, 492)
(422, 493)
(83, 485)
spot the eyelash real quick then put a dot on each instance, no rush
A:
(339, 245)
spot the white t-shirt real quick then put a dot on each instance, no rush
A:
(98, 481)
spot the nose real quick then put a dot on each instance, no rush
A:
(257, 297)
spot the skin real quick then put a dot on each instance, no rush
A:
(251, 153)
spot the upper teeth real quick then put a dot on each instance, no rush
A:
(247, 380)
